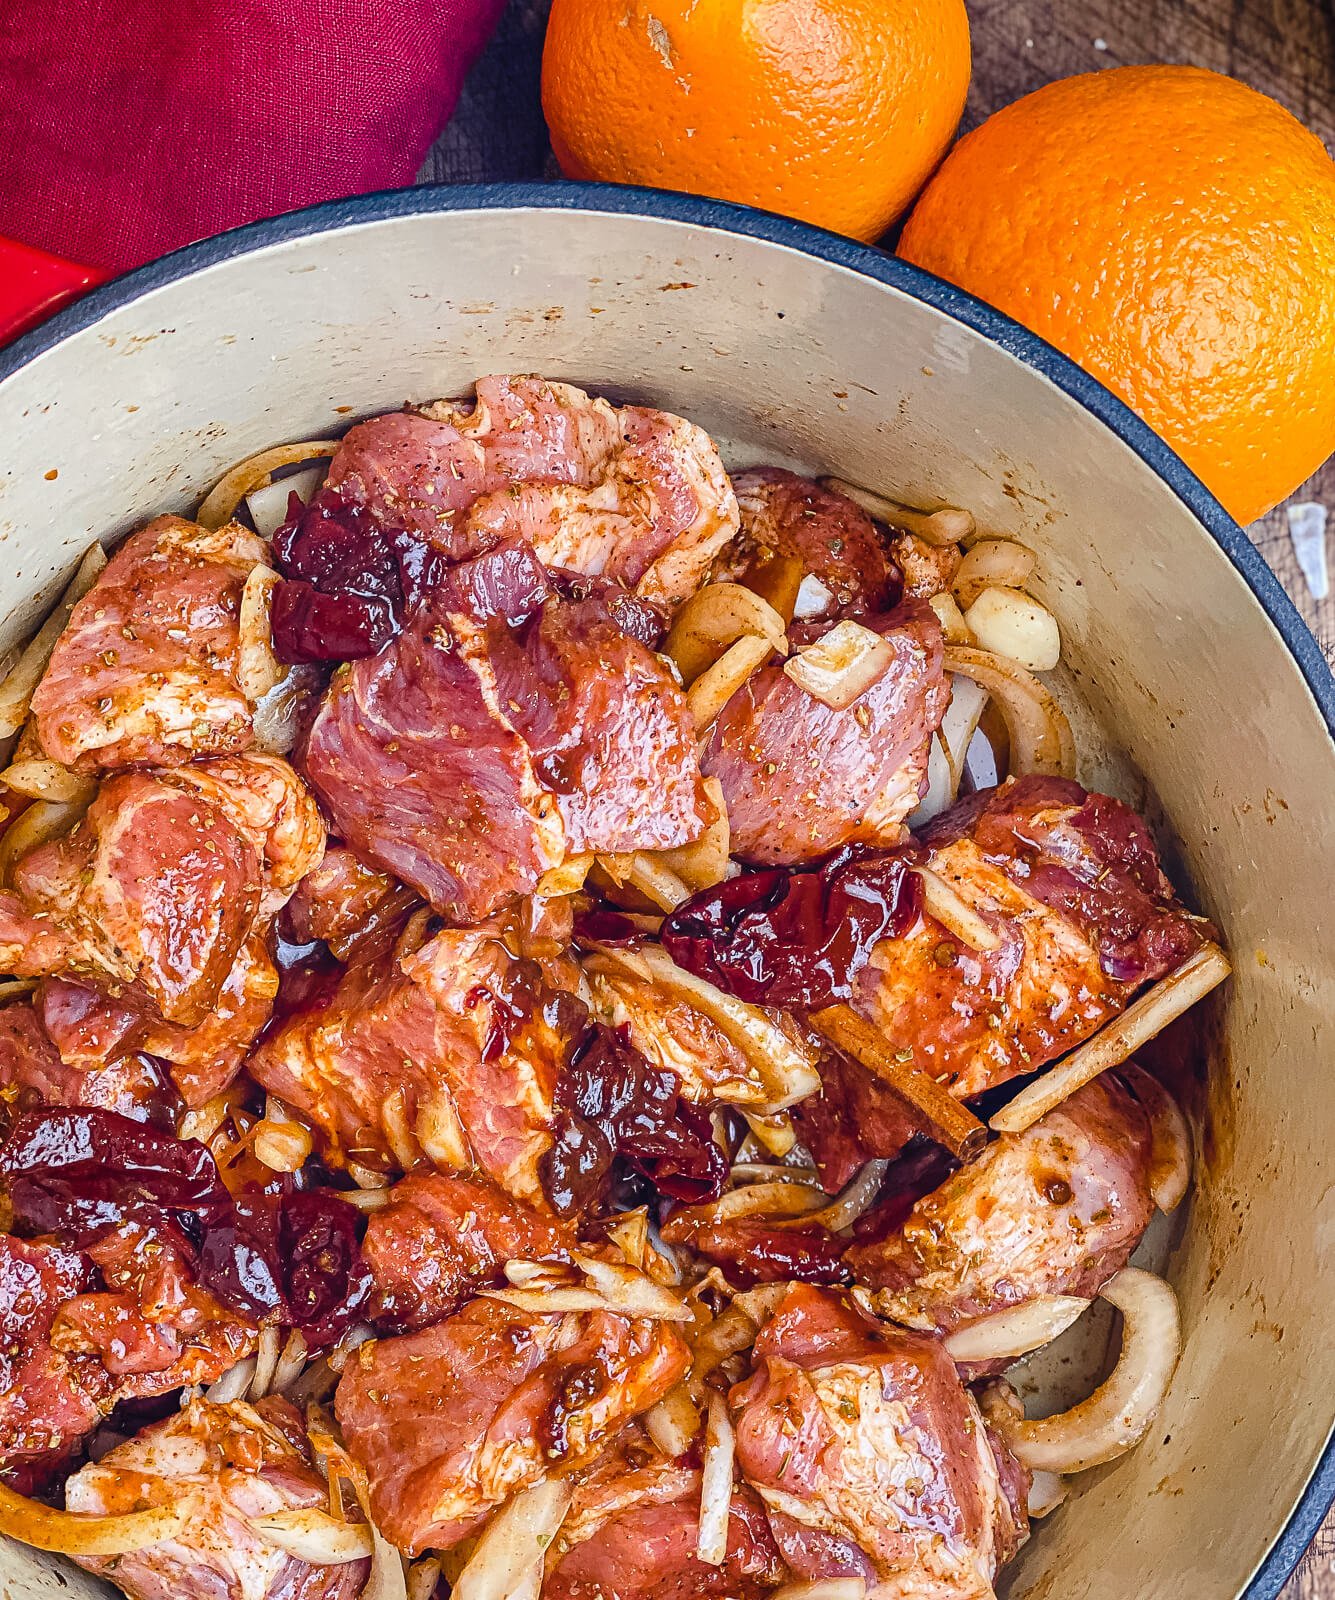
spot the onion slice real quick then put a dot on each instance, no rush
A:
(841, 665)
(72, 1533)
(1046, 1492)
(1117, 1416)
(674, 1422)
(313, 1535)
(23, 677)
(823, 1589)
(514, 1542)
(711, 1544)
(712, 690)
(948, 525)
(386, 1579)
(38, 823)
(856, 1197)
(1016, 1330)
(219, 505)
(1040, 735)
(1115, 1043)
(715, 618)
(941, 901)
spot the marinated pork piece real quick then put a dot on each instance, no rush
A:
(872, 1459)
(154, 889)
(842, 552)
(101, 1034)
(267, 803)
(152, 1328)
(151, 669)
(801, 778)
(48, 1398)
(445, 1050)
(1071, 883)
(347, 904)
(631, 1534)
(442, 1236)
(1057, 1209)
(205, 1059)
(155, 892)
(238, 1462)
(33, 1074)
(632, 494)
(467, 757)
(450, 1421)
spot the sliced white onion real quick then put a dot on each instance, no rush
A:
(1040, 735)
(219, 505)
(423, 1576)
(277, 714)
(823, 1589)
(954, 629)
(755, 1199)
(649, 872)
(942, 901)
(38, 823)
(948, 525)
(705, 861)
(813, 598)
(775, 1132)
(568, 878)
(40, 778)
(258, 669)
(770, 1172)
(268, 505)
(1015, 1330)
(1117, 1040)
(1117, 1416)
(856, 1197)
(993, 563)
(291, 1363)
(313, 1535)
(266, 1360)
(716, 617)
(386, 1580)
(940, 790)
(73, 1533)
(608, 1287)
(841, 665)
(513, 1542)
(1015, 626)
(233, 1384)
(960, 722)
(282, 1146)
(27, 672)
(1046, 1492)
(673, 1422)
(712, 690)
(711, 1545)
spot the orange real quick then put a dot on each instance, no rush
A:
(834, 111)
(1173, 231)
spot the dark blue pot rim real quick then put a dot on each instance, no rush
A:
(870, 262)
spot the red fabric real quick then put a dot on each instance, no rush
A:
(128, 127)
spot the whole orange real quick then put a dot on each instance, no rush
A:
(834, 111)
(1173, 231)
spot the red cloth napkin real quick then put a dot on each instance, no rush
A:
(128, 127)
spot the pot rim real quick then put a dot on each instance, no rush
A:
(1307, 1515)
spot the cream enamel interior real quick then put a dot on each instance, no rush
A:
(793, 358)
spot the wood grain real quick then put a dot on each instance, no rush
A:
(1284, 47)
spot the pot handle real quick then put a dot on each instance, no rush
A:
(33, 283)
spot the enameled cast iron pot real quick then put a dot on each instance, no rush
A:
(791, 344)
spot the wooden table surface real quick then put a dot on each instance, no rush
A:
(1284, 47)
